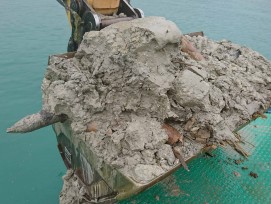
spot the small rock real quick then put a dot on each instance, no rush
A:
(254, 175)
(209, 154)
(157, 198)
(203, 133)
(189, 124)
(239, 161)
(145, 173)
(92, 127)
(165, 152)
(237, 174)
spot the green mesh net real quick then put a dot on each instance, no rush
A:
(224, 176)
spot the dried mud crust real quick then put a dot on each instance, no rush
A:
(130, 78)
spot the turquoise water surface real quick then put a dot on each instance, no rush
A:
(30, 30)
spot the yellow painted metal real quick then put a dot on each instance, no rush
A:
(68, 2)
(106, 7)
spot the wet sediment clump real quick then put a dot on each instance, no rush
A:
(135, 98)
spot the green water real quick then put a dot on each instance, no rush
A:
(30, 168)
(30, 30)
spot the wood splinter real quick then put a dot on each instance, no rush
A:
(238, 148)
(180, 157)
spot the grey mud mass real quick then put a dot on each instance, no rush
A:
(130, 78)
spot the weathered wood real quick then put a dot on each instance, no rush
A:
(36, 121)
(200, 33)
(181, 159)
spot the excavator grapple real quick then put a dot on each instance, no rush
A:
(94, 15)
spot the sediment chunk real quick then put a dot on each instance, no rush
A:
(131, 78)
